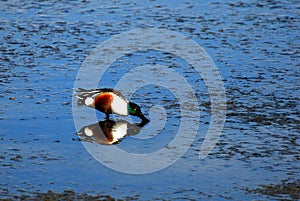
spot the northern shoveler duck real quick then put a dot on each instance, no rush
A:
(108, 132)
(109, 101)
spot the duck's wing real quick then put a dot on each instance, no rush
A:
(118, 93)
(83, 94)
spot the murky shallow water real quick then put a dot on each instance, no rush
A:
(254, 44)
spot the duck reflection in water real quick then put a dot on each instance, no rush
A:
(109, 132)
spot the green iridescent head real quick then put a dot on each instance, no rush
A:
(135, 110)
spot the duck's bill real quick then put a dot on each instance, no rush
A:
(144, 119)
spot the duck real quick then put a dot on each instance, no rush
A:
(108, 132)
(108, 101)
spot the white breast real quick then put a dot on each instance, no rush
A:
(119, 105)
(119, 131)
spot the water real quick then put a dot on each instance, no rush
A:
(255, 45)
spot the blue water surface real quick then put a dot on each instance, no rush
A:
(254, 44)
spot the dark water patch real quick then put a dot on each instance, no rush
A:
(263, 109)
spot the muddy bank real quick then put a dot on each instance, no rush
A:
(66, 195)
